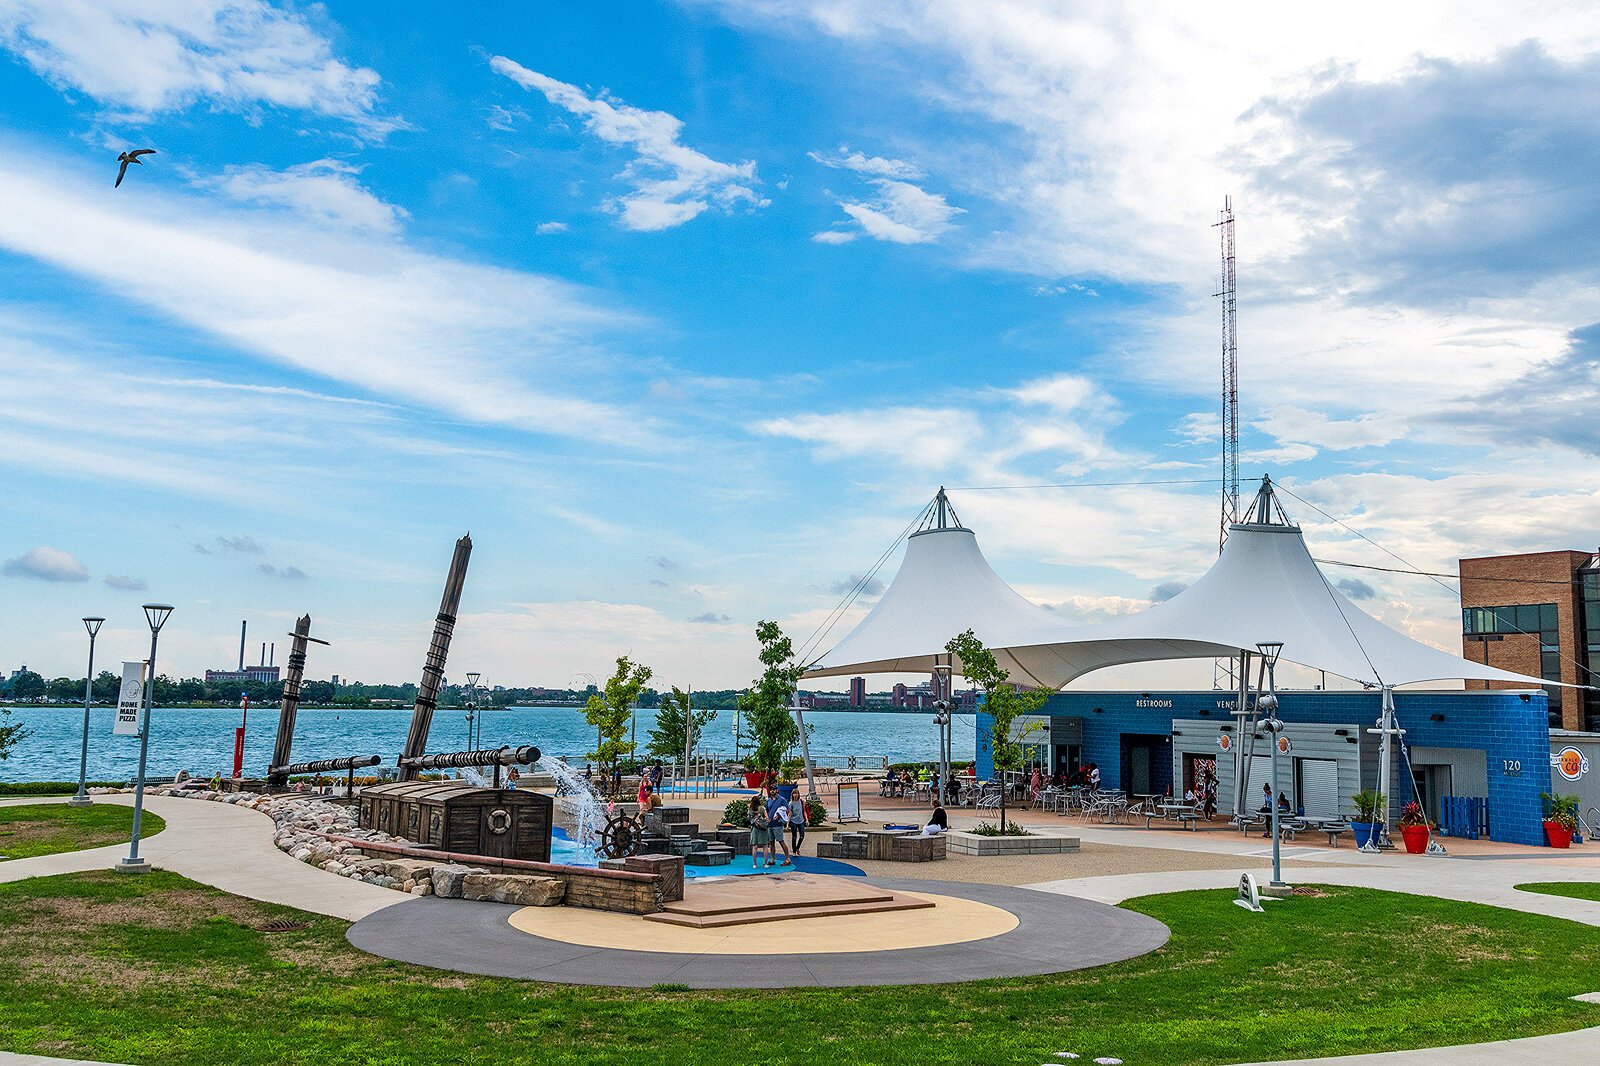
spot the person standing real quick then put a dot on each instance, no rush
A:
(797, 821)
(760, 829)
(1094, 776)
(777, 817)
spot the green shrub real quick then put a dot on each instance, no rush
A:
(989, 829)
(51, 788)
(737, 814)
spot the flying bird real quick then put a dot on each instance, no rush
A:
(130, 157)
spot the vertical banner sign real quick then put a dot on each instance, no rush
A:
(129, 696)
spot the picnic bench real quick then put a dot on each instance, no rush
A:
(1185, 814)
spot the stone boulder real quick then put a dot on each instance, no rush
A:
(447, 879)
(526, 890)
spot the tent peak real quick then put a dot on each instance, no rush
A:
(1266, 510)
(940, 515)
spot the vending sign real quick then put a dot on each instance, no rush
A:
(129, 696)
(1570, 763)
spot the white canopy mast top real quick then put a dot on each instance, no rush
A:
(1265, 586)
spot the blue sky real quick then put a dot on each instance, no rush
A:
(685, 309)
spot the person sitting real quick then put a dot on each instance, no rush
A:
(893, 781)
(1283, 804)
(938, 822)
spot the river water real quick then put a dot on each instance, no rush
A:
(200, 740)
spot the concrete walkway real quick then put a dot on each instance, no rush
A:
(227, 847)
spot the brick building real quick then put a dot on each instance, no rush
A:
(1538, 614)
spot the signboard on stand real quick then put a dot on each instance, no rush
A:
(129, 696)
(849, 802)
(1249, 894)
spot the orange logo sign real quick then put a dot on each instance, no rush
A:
(1570, 763)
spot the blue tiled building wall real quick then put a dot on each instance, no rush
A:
(1511, 730)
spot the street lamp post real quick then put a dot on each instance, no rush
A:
(943, 710)
(82, 798)
(156, 614)
(1270, 650)
(472, 711)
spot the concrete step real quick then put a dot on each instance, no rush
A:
(784, 914)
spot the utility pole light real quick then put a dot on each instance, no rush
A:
(156, 614)
(472, 706)
(1270, 650)
(82, 798)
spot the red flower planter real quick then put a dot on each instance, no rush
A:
(1416, 837)
(1558, 835)
(754, 778)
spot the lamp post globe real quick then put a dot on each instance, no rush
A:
(81, 798)
(156, 614)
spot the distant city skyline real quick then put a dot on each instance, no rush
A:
(685, 310)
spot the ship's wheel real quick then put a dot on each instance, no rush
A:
(620, 838)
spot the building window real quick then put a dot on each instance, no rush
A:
(1534, 619)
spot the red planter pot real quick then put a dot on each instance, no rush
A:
(753, 778)
(1416, 837)
(1558, 835)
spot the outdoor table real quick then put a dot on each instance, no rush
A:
(1178, 812)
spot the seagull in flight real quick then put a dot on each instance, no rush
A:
(130, 157)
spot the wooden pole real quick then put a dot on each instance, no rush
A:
(433, 667)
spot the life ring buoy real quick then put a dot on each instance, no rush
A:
(499, 821)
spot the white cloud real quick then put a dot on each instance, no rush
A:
(901, 213)
(324, 191)
(146, 57)
(550, 227)
(46, 564)
(124, 583)
(478, 342)
(916, 436)
(873, 166)
(1298, 425)
(672, 183)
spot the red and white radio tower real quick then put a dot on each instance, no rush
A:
(1230, 377)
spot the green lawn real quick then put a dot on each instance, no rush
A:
(160, 969)
(1575, 889)
(46, 828)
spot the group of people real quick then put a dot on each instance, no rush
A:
(771, 819)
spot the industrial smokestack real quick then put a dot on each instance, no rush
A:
(242, 626)
(263, 653)
(273, 659)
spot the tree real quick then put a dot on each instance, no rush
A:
(1002, 702)
(27, 686)
(10, 734)
(667, 738)
(608, 712)
(766, 706)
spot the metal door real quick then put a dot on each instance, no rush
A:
(1319, 787)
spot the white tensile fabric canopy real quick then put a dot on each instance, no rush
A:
(1264, 587)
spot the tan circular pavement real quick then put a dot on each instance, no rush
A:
(952, 920)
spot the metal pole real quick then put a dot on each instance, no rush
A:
(805, 752)
(1387, 725)
(82, 798)
(1240, 711)
(688, 734)
(133, 864)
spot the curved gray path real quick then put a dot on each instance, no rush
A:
(1056, 933)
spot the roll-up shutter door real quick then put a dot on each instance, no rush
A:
(1260, 774)
(1319, 787)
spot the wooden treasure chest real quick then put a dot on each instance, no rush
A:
(506, 823)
